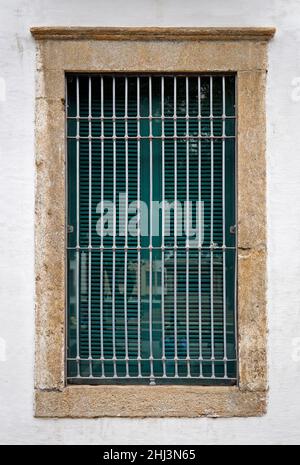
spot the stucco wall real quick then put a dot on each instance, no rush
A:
(17, 67)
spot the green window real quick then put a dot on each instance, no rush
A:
(151, 244)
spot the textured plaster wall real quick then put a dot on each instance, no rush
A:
(17, 67)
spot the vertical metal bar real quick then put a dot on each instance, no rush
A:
(236, 114)
(224, 228)
(102, 228)
(77, 232)
(114, 226)
(175, 229)
(163, 225)
(211, 228)
(200, 243)
(152, 381)
(67, 255)
(139, 222)
(188, 229)
(90, 229)
(126, 228)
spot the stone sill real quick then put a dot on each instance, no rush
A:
(149, 401)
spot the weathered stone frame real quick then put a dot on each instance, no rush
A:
(60, 50)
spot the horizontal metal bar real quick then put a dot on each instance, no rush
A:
(176, 247)
(154, 377)
(153, 74)
(153, 117)
(149, 137)
(125, 359)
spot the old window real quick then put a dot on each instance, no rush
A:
(173, 313)
(151, 288)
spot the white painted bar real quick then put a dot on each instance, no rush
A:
(77, 230)
(101, 231)
(199, 243)
(211, 228)
(224, 227)
(163, 225)
(139, 221)
(126, 228)
(90, 230)
(175, 228)
(152, 380)
(114, 226)
(188, 229)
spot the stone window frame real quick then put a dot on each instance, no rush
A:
(93, 49)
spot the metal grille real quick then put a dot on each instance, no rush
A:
(151, 247)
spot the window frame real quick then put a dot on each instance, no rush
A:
(62, 50)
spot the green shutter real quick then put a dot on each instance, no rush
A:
(200, 328)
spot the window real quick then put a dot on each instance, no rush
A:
(124, 365)
(151, 289)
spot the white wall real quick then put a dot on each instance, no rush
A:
(17, 67)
